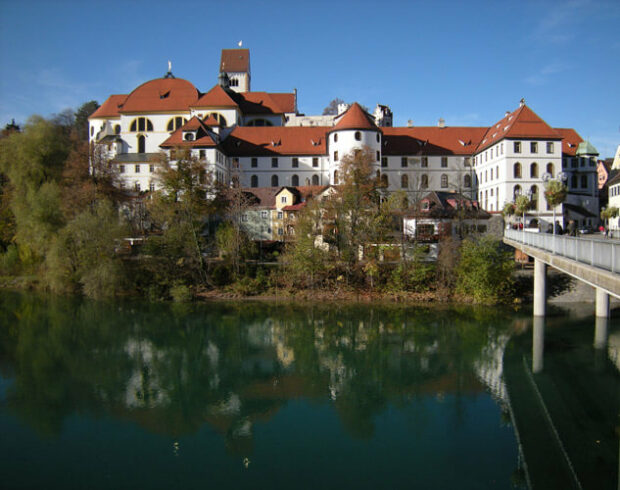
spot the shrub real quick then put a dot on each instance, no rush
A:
(180, 293)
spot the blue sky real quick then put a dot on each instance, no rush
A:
(465, 61)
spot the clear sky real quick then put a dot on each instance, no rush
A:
(465, 61)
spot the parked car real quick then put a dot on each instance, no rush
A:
(585, 230)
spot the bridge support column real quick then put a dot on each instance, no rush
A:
(600, 332)
(602, 303)
(540, 284)
(538, 344)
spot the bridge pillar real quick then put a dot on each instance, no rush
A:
(540, 282)
(602, 303)
(600, 332)
(538, 344)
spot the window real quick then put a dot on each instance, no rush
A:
(378, 156)
(534, 198)
(550, 169)
(533, 147)
(549, 146)
(254, 162)
(260, 123)
(424, 181)
(151, 187)
(335, 137)
(280, 231)
(335, 156)
(384, 162)
(358, 136)
(335, 177)
(117, 129)
(202, 154)
(263, 214)
(274, 181)
(584, 181)
(137, 186)
(137, 168)
(121, 169)
(444, 162)
(516, 170)
(384, 181)
(403, 162)
(141, 144)
(254, 181)
(315, 179)
(467, 161)
(573, 181)
(404, 181)
(378, 138)
(516, 192)
(280, 215)
(235, 163)
(424, 162)
(151, 168)
(244, 218)
(295, 180)
(274, 162)
(175, 123)
(315, 162)
(295, 162)
(534, 170)
(517, 147)
(444, 181)
(467, 181)
(141, 124)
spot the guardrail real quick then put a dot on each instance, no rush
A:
(601, 253)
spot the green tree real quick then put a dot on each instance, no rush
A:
(485, 269)
(80, 123)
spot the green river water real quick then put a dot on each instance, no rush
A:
(278, 396)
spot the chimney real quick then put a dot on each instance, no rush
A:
(441, 123)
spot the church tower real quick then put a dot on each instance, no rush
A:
(235, 63)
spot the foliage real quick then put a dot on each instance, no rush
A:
(555, 192)
(508, 210)
(416, 276)
(485, 269)
(83, 257)
(332, 107)
(609, 213)
(522, 204)
(180, 293)
(81, 119)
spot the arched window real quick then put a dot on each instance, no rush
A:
(444, 181)
(274, 181)
(534, 198)
(219, 118)
(335, 177)
(175, 123)
(141, 124)
(534, 170)
(404, 181)
(254, 181)
(516, 170)
(295, 180)
(516, 192)
(315, 179)
(550, 169)
(358, 136)
(467, 180)
(141, 143)
(424, 181)
(335, 137)
(117, 129)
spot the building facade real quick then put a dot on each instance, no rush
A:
(259, 139)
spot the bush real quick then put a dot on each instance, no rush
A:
(180, 293)
(485, 270)
(9, 261)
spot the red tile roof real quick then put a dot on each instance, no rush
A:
(211, 121)
(521, 123)
(285, 101)
(110, 107)
(235, 60)
(264, 102)
(216, 97)
(431, 140)
(276, 140)
(203, 137)
(355, 118)
(570, 141)
(161, 94)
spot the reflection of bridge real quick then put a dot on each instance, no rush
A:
(593, 261)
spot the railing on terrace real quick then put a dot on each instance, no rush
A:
(597, 252)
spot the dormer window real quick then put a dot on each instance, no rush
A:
(175, 123)
(189, 136)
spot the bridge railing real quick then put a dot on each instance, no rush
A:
(601, 253)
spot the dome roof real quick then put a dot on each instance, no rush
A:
(161, 94)
(355, 118)
(586, 148)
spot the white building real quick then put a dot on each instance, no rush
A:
(261, 139)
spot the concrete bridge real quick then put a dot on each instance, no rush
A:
(595, 261)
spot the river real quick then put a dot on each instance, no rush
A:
(130, 394)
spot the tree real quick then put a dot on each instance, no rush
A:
(485, 270)
(609, 213)
(332, 107)
(522, 204)
(555, 194)
(80, 123)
